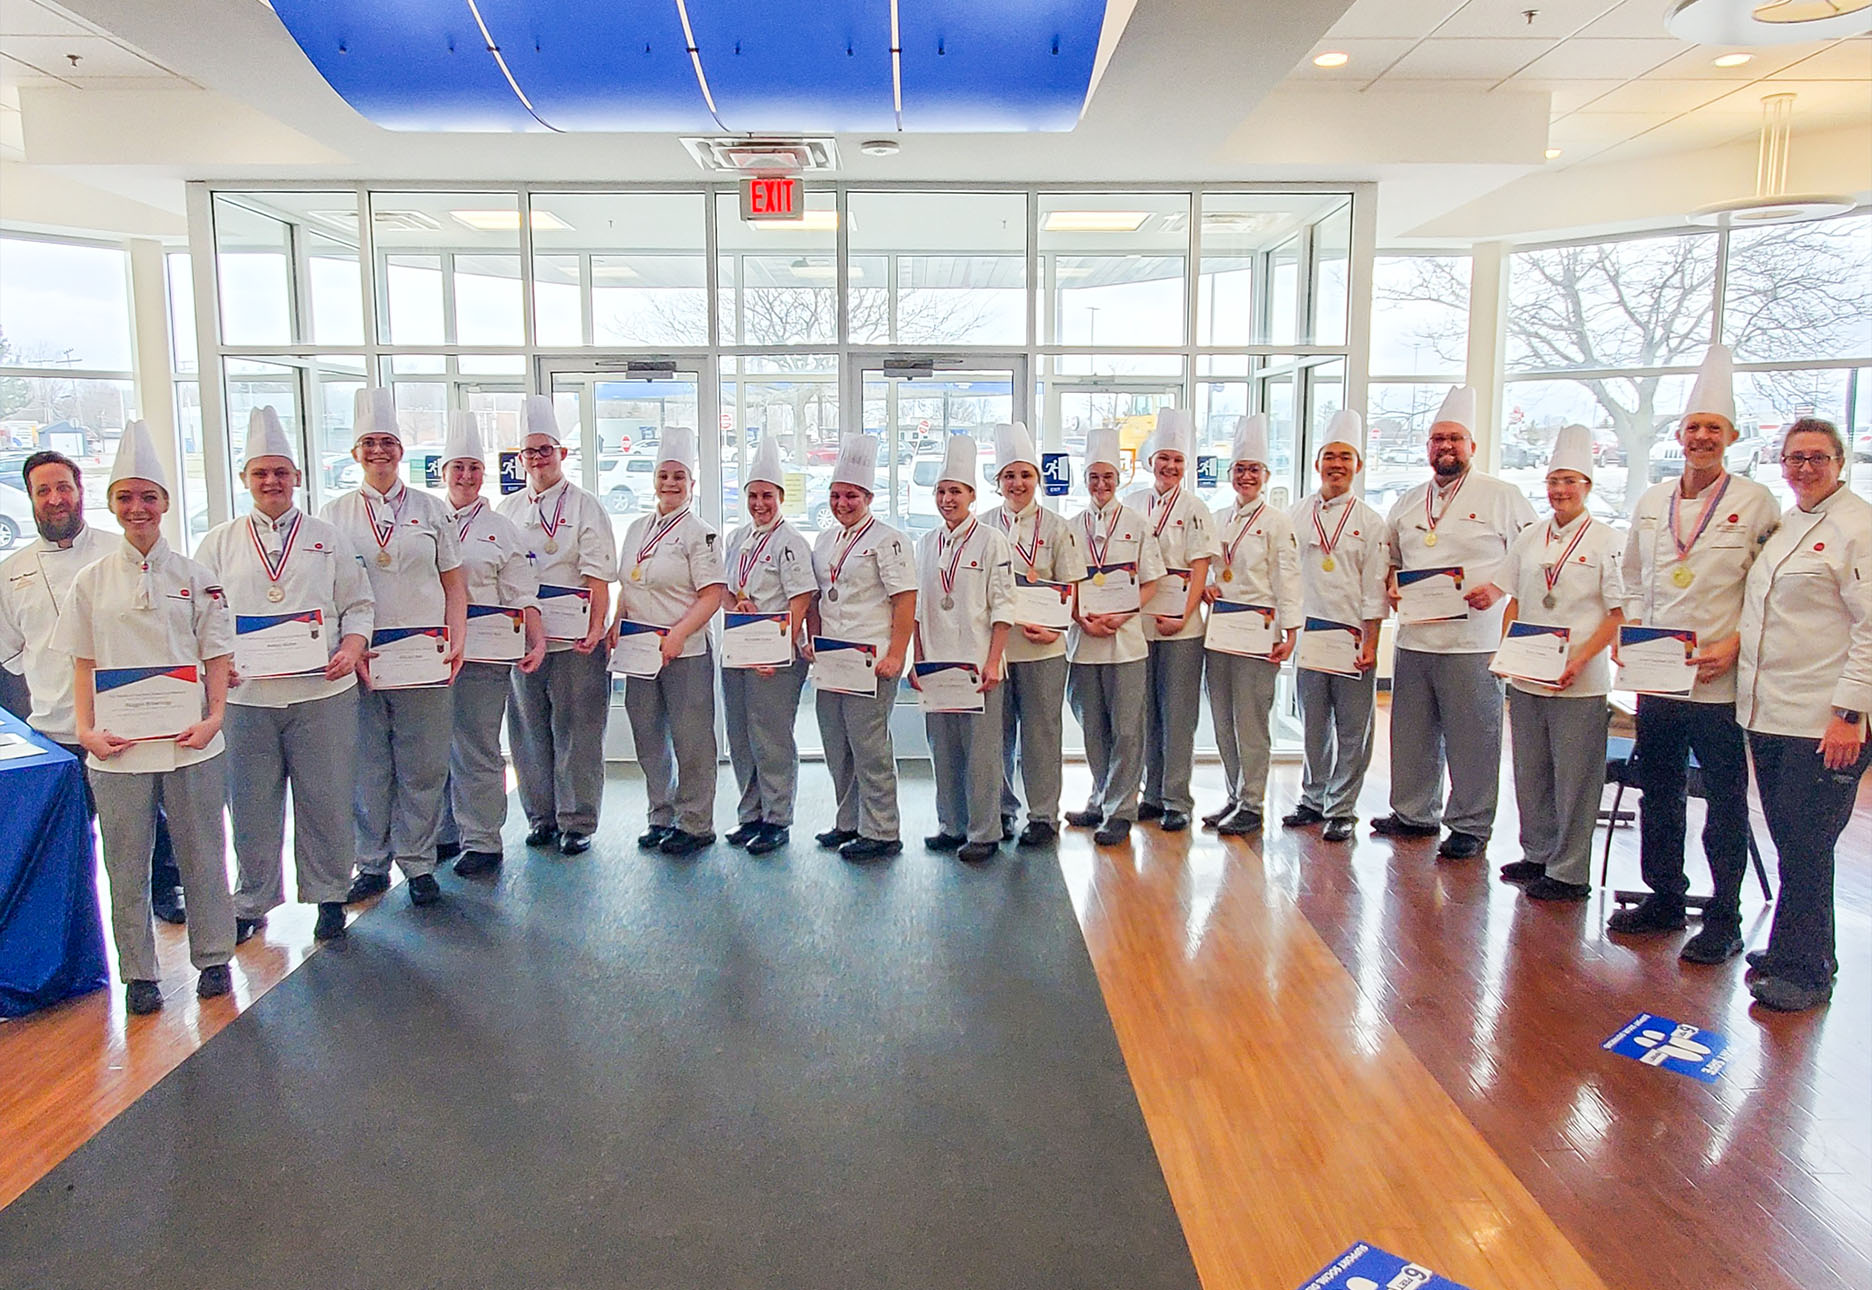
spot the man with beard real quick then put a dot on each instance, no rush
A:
(34, 586)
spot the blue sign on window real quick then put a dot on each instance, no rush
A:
(512, 473)
(1365, 1266)
(1671, 1045)
(1056, 470)
(432, 471)
(1208, 472)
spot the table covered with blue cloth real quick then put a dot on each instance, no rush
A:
(51, 933)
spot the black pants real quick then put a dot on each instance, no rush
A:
(1669, 730)
(1808, 807)
(164, 876)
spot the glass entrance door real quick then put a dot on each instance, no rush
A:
(915, 406)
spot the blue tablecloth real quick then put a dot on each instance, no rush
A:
(51, 933)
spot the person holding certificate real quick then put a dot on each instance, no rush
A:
(673, 579)
(965, 606)
(1446, 706)
(1562, 574)
(1108, 676)
(1803, 688)
(1343, 562)
(1034, 693)
(559, 708)
(413, 560)
(1259, 570)
(1173, 625)
(296, 579)
(770, 572)
(866, 608)
(151, 640)
(504, 630)
(1687, 558)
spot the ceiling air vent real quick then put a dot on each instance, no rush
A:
(384, 221)
(762, 156)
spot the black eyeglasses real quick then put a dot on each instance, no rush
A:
(1811, 459)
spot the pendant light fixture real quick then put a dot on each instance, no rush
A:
(1772, 203)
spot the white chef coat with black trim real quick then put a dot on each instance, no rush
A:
(585, 547)
(782, 570)
(665, 584)
(982, 592)
(421, 546)
(1481, 515)
(1265, 568)
(1057, 557)
(879, 566)
(1184, 537)
(34, 586)
(1353, 590)
(1587, 589)
(1131, 542)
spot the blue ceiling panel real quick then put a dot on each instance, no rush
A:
(797, 66)
(601, 64)
(998, 65)
(410, 65)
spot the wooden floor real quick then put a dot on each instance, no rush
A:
(1330, 1044)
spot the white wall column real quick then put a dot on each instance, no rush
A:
(155, 370)
(1488, 319)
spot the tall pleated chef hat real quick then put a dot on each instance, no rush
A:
(1102, 446)
(1012, 444)
(1251, 439)
(137, 458)
(766, 467)
(1346, 427)
(678, 444)
(540, 417)
(959, 457)
(1714, 390)
(1175, 432)
(857, 461)
(373, 411)
(1572, 450)
(266, 437)
(464, 439)
(1458, 406)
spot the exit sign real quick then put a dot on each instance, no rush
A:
(768, 197)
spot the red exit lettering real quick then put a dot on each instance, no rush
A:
(770, 198)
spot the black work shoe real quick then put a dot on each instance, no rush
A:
(542, 835)
(1759, 962)
(652, 838)
(1112, 833)
(943, 841)
(743, 834)
(330, 925)
(447, 851)
(1086, 819)
(1522, 871)
(1715, 943)
(1301, 816)
(1339, 830)
(1037, 834)
(424, 890)
(1241, 824)
(1462, 846)
(833, 839)
(863, 848)
(977, 852)
(142, 998)
(680, 842)
(574, 844)
(1545, 888)
(770, 838)
(1215, 818)
(472, 864)
(366, 885)
(1778, 994)
(1007, 828)
(168, 904)
(1150, 810)
(1391, 826)
(1173, 821)
(244, 928)
(214, 982)
(1649, 915)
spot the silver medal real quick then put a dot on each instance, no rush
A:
(831, 593)
(948, 602)
(275, 595)
(1550, 600)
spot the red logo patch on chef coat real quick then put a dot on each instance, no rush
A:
(1819, 546)
(184, 592)
(318, 546)
(1734, 518)
(1471, 514)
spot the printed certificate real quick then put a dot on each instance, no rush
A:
(408, 658)
(1532, 652)
(1656, 660)
(280, 644)
(756, 640)
(1431, 595)
(565, 612)
(844, 667)
(949, 687)
(639, 649)
(147, 702)
(1109, 589)
(1326, 646)
(496, 634)
(1170, 594)
(1042, 604)
(1239, 628)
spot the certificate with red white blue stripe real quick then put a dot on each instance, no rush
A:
(139, 703)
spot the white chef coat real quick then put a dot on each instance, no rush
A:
(1353, 591)
(322, 572)
(422, 547)
(675, 573)
(1265, 568)
(1057, 557)
(1484, 514)
(186, 621)
(983, 591)
(1185, 534)
(879, 566)
(581, 532)
(1131, 542)
(1807, 620)
(495, 559)
(1584, 592)
(1719, 562)
(782, 570)
(34, 585)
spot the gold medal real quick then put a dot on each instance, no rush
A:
(1228, 575)
(1098, 579)
(1429, 539)
(1329, 564)
(637, 574)
(552, 547)
(1682, 575)
(383, 559)
(275, 595)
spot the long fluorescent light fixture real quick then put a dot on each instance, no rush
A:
(1094, 221)
(811, 222)
(508, 221)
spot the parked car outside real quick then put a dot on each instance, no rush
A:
(16, 521)
(1739, 458)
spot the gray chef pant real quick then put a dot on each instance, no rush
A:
(474, 808)
(1032, 720)
(191, 796)
(672, 716)
(1241, 702)
(855, 731)
(1108, 700)
(314, 746)
(1336, 712)
(760, 712)
(1445, 708)
(965, 748)
(1559, 748)
(1172, 707)
(402, 768)
(559, 716)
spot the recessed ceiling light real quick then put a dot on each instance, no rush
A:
(507, 221)
(1552, 153)
(810, 222)
(1331, 58)
(1094, 221)
(1733, 60)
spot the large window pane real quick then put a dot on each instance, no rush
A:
(1632, 418)
(1420, 315)
(1642, 302)
(1798, 292)
(1112, 268)
(451, 267)
(778, 280)
(252, 385)
(794, 397)
(253, 264)
(939, 268)
(1332, 264)
(642, 256)
(270, 246)
(63, 305)
(558, 309)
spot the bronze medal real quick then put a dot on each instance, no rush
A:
(383, 559)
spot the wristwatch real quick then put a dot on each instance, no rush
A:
(1849, 716)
